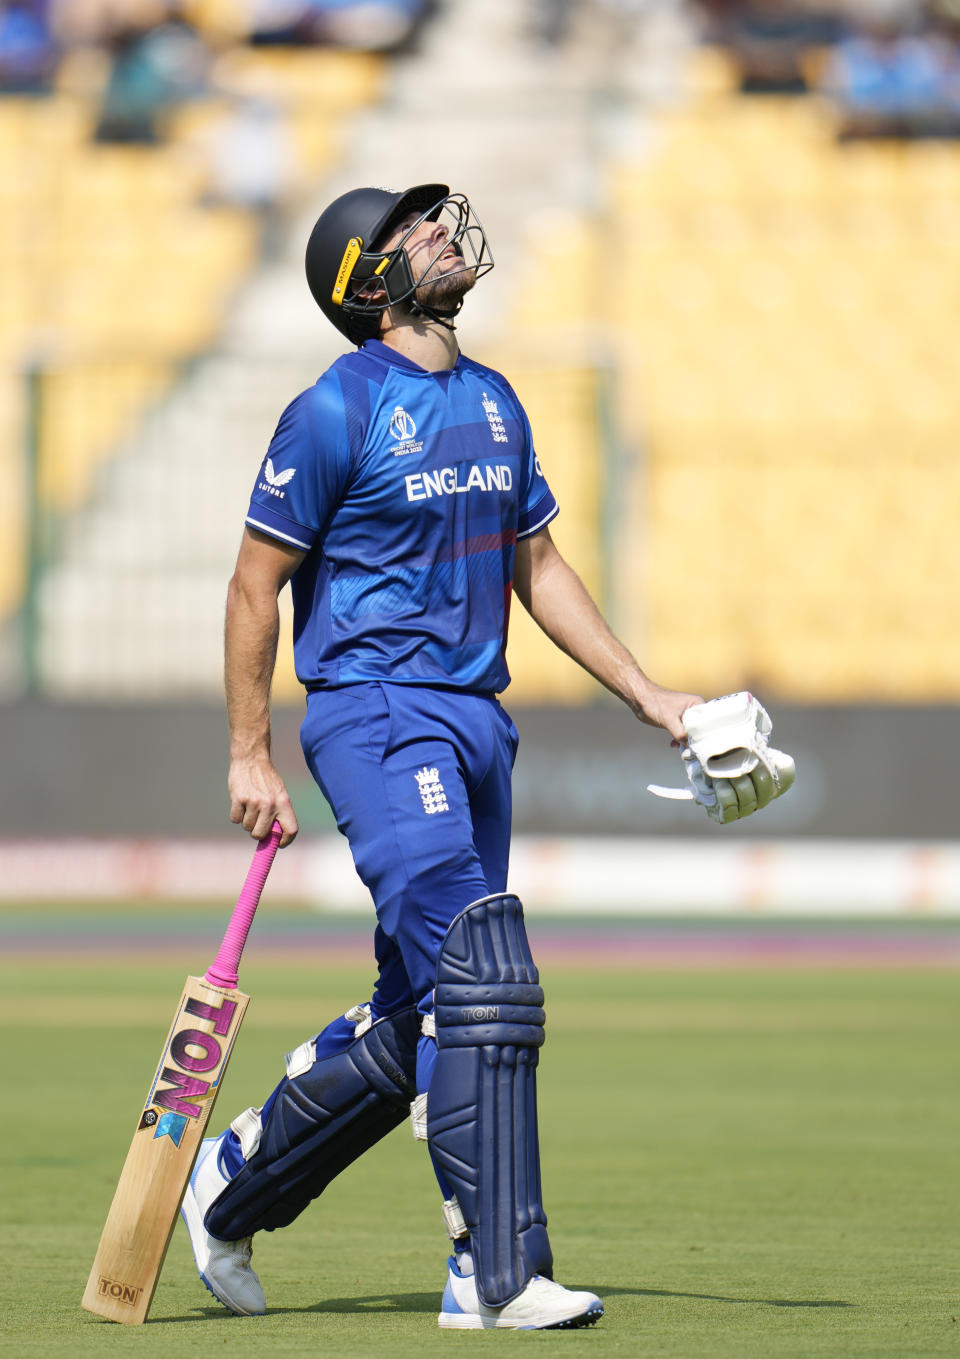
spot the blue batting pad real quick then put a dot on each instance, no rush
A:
(482, 1102)
(319, 1122)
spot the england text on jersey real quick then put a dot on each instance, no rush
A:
(451, 480)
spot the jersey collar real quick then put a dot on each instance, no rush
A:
(378, 350)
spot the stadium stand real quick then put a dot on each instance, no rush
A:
(110, 256)
(786, 305)
(759, 311)
(131, 603)
(118, 266)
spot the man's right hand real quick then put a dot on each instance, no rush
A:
(258, 797)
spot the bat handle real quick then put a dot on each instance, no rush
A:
(222, 971)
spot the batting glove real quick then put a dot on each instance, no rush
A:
(731, 769)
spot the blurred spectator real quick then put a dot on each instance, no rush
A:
(893, 78)
(28, 54)
(364, 25)
(558, 22)
(251, 165)
(154, 66)
(768, 41)
(552, 20)
(944, 21)
(251, 156)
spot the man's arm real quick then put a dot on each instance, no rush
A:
(558, 601)
(258, 796)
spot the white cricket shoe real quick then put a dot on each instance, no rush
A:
(224, 1265)
(542, 1306)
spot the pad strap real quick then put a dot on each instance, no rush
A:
(320, 1121)
(482, 1107)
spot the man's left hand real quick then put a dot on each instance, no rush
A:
(731, 769)
(665, 708)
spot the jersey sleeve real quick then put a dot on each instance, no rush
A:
(306, 470)
(538, 504)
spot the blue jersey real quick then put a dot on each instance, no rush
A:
(408, 491)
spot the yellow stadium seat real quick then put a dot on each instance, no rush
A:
(787, 313)
(13, 520)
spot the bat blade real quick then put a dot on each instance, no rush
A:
(159, 1163)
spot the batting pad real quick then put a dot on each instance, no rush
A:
(321, 1120)
(482, 1106)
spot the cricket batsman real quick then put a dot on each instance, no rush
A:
(402, 498)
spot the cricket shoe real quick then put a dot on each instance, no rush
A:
(542, 1305)
(224, 1265)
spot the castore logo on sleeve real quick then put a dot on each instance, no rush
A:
(274, 480)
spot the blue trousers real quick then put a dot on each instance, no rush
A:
(419, 783)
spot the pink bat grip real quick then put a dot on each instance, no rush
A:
(223, 970)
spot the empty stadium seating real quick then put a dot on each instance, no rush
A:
(739, 366)
(785, 306)
(116, 269)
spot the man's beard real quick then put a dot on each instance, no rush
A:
(443, 291)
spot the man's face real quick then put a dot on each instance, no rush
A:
(446, 279)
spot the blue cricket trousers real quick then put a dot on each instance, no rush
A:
(419, 783)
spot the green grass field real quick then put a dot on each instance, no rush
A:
(741, 1164)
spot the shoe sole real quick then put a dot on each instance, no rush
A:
(192, 1220)
(470, 1321)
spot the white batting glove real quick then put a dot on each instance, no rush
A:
(731, 769)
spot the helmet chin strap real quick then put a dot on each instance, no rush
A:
(442, 318)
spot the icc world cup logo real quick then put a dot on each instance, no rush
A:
(401, 424)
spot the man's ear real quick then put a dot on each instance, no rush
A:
(370, 291)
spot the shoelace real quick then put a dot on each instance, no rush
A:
(244, 1251)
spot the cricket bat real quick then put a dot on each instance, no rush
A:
(174, 1118)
